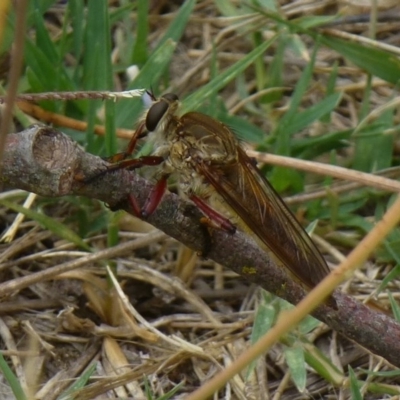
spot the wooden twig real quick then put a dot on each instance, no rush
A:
(49, 163)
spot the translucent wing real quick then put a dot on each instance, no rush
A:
(254, 200)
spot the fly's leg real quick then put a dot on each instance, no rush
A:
(124, 164)
(153, 200)
(213, 218)
(119, 160)
(136, 163)
(155, 197)
(138, 134)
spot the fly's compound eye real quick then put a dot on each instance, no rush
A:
(155, 114)
(158, 110)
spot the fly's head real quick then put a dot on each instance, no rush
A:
(161, 112)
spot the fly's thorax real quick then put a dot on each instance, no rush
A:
(179, 156)
(181, 162)
(192, 183)
(207, 140)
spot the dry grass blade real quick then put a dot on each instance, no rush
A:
(131, 312)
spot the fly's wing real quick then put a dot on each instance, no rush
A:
(254, 200)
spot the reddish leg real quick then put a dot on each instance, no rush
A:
(139, 133)
(136, 163)
(137, 211)
(153, 200)
(155, 197)
(129, 164)
(119, 161)
(213, 217)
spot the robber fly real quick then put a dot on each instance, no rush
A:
(217, 175)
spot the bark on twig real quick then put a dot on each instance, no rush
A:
(47, 162)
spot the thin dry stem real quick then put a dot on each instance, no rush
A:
(365, 179)
(84, 95)
(15, 72)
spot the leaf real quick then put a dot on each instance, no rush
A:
(304, 118)
(294, 357)
(263, 322)
(375, 61)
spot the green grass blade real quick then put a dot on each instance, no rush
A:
(178, 25)
(302, 119)
(330, 89)
(139, 54)
(79, 383)
(285, 130)
(375, 61)
(76, 11)
(354, 386)
(395, 307)
(12, 379)
(194, 101)
(317, 360)
(40, 5)
(373, 149)
(128, 110)
(43, 37)
(97, 72)
(393, 274)
(43, 68)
